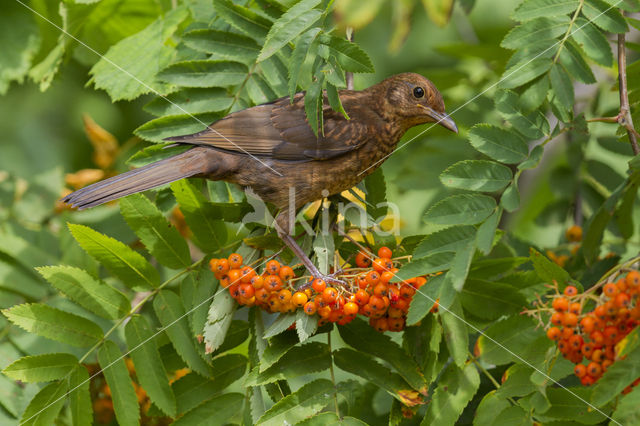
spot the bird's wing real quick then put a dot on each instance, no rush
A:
(280, 130)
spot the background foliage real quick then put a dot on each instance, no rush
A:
(523, 81)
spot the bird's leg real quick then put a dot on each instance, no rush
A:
(300, 254)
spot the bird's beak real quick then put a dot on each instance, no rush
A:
(442, 119)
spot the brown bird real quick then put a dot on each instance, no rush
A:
(272, 149)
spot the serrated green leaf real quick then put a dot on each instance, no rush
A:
(54, 324)
(428, 264)
(170, 312)
(306, 325)
(94, 295)
(499, 144)
(258, 90)
(223, 45)
(464, 209)
(533, 31)
(572, 403)
(571, 58)
(595, 227)
(20, 38)
(504, 341)
(477, 175)
(439, 11)
(299, 360)
(531, 9)
(446, 240)
(313, 100)
(45, 405)
(80, 397)
(150, 370)
(291, 24)
(162, 240)
(547, 270)
(190, 101)
(533, 125)
(604, 16)
(349, 55)
(129, 68)
(534, 94)
(523, 72)
(628, 5)
(216, 411)
(593, 42)
(158, 129)
(617, 376)
(243, 19)
(298, 58)
(489, 408)
(510, 199)
(456, 334)
(562, 86)
(490, 300)
(125, 402)
(218, 322)
(336, 104)
(41, 368)
(305, 402)
(205, 73)
(485, 237)
(363, 365)
(132, 269)
(209, 233)
(456, 388)
(534, 158)
(626, 412)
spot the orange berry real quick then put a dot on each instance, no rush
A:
(235, 260)
(385, 252)
(363, 260)
(222, 266)
(319, 285)
(324, 312)
(600, 312)
(396, 324)
(406, 291)
(382, 264)
(381, 289)
(386, 276)
(261, 294)
(234, 276)
(574, 234)
(234, 291)
(213, 263)
(309, 308)
(381, 325)
(570, 290)
(587, 324)
(567, 332)
(350, 308)
(299, 299)
(376, 303)
(556, 318)
(373, 277)
(622, 300)
(284, 295)
(610, 289)
(329, 294)
(633, 279)
(273, 267)
(560, 304)
(570, 319)
(576, 342)
(580, 370)
(575, 308)
(246, 273)
(395, 313)
(587, 349)
(587, 380)
(257, 281)
(594, 369)
(246, 290)
(272, 283)
(286, 273)
(362, 297)
(597, 337)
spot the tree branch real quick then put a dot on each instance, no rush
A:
(624, 118)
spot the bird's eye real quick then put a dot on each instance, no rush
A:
(418, 92)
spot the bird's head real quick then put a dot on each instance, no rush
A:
(415, 100)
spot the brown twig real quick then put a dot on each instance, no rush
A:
(624, 118)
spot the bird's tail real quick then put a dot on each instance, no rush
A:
(190, 163)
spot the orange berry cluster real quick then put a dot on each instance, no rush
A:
(588, 339)
(367, 290)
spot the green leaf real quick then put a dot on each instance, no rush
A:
(439, 11)
(628, 5)
(501, 145)
(158, 129)
(597, 224)
(94, 295)
(216, 411)
(162, 240)
(534, 31)
(429, 264)
(150, 370)
(205, 73)
(305, 402)
(44, 408)
(243, 19)
(617, 376)
(329, 418)
(534, 158)
(464, 209)
(504, 341)
(533, 125)
(306, 325)
(490, 300)
(349, 55)
(477, 175)
(277, 347)
(336, 104)
(190, 101)
(290, 25)
(489, 408)
(237, 335)
(313, 100)
(282, 322)
(627, 409)
(510, 199)
(298, 58)
(571, 404)
(455, 390)
(170, 312)
(523, 72)
(299, 360)
(54, 324)
(259, 90)
(534, 94)
(591, 40)
(129, 68)
(20, 39)
(125, 402)
(223, 45)
(531, 9)
(363, 337)
(219, 319)
(209, 233)
(606, 17)
(446, 240)
(547, 270)
(457, 275)
(132, 269)
(365, 366)
(376, 189)
(80, 397)
(41, 368)
(485, 236)
(562, 86)
(455, 332)
(571, 58)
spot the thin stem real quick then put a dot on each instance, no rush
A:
(624, 119)
(333, 376)
(349, 75)
(568, 33)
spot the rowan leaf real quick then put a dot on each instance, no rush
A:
(193, 101)
(535, 30)
(219, 319)
(593, 42)
(45, 406)
(158, 129)
(80, 397)
(456, 388)
(223, 45)
(604, 16)
(464, 209)
(243, 19)
(204, 73)
(305, 402)
(41, 368)
(349, 55)
(531, 9)
(299, 360)
(501, 145)
(477, 175)
(216, 411)
(125, 402)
